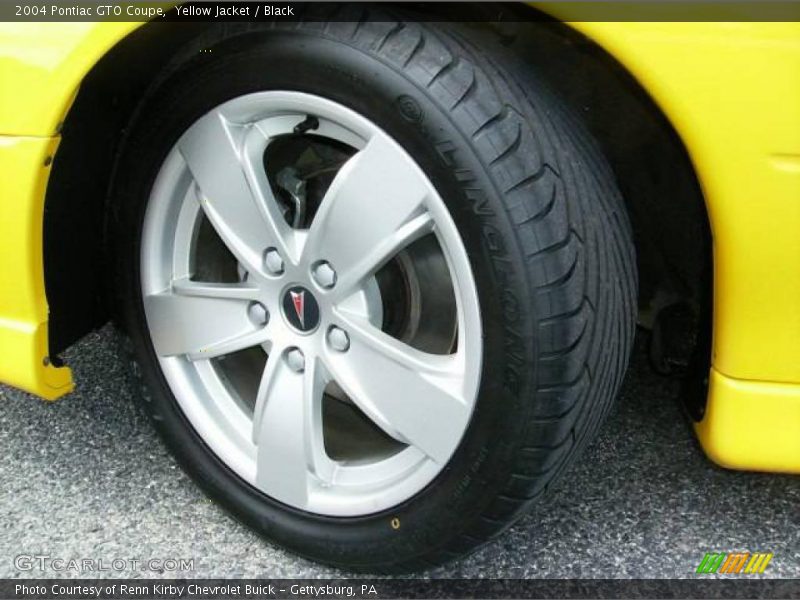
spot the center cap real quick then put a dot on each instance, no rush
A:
(300, 309)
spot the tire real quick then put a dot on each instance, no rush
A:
(546, 237)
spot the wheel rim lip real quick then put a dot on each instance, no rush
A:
(195, 384)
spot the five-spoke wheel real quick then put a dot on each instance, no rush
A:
(330, 280)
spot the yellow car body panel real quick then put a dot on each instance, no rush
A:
(732, 92)
(752, 424)
(24, 167)
(41, 68)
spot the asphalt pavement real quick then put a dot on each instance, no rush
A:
(86, 477)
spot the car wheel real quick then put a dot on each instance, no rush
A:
(377, 284)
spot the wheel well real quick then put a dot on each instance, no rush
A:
(664, 200)
(74, 250)
(665, 203)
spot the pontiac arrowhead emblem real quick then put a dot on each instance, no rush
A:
(299, 302)
(300, 309)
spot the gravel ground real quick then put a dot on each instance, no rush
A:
(87, 477)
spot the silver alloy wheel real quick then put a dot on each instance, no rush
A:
(378, 206)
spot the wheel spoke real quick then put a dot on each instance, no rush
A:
(202, 320)
(287, 429)
(414, 396)
(374, 207)
(233, 189)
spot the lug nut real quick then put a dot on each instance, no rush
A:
(296, 360)
(324, 274)
(258, 313)
(273, 261)
(338, 339)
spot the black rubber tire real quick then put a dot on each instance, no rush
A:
(541, 217)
